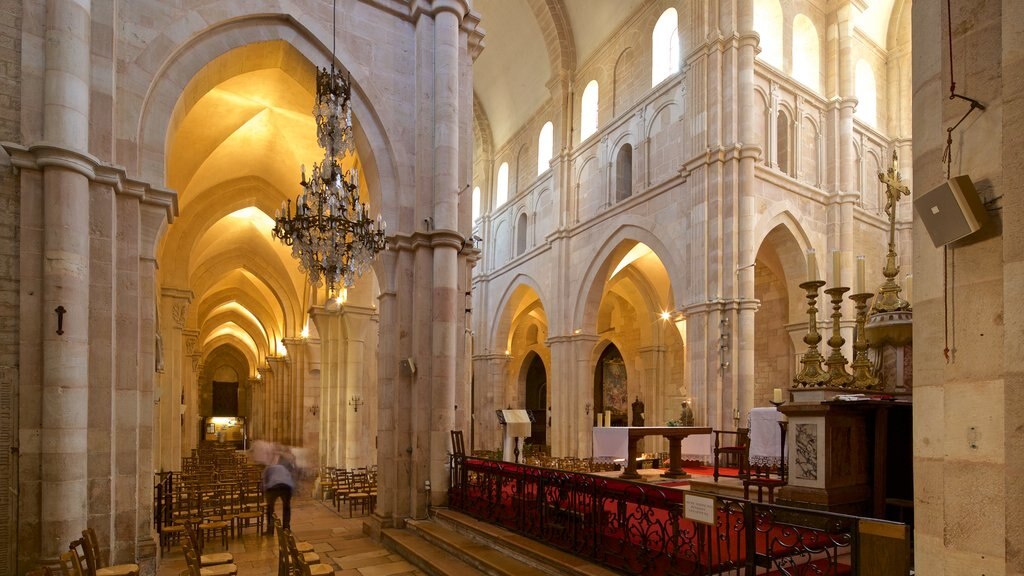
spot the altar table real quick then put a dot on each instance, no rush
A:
(608, 441)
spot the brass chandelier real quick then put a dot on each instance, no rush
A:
(331, 232)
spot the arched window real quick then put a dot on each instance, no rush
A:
(501, 189)
(624, 173)
(521, 235)
(768, 25)
(588, 110)
(782, 140)
(476, 203)
(867, 97)
(545, 145)
(665, 47)
(806, 55)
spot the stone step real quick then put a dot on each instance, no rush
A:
(546, 559)
(482, 555)
(424, 555)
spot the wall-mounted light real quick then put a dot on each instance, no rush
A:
(586, 408)
(355, 402)
(723, 343)
(665, 315)
(314, 410)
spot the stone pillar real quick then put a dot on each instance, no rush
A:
(189, 394)
(580, 391)
(63, 451)
(173, 313)
(331, 407)
(446, 299)
(296, 388)
(357, 442)
(743, 334)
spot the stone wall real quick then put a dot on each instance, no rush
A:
(10, 208)
(968, 410)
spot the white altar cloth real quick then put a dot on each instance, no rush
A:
(765, 437)
(613, 442)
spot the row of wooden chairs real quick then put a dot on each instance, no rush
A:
(218, 494)
(214, 510)
(217, 564)
(83, 558)
(357, 488)
(296, 558)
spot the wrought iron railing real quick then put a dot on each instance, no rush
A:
(640, 528)
(163, 493)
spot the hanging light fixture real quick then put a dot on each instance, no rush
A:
(331, 232)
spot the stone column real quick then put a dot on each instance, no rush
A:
(743, 334)
(492, 370)
(173, 313)
(445, 296)
(579, 392)
(66, 271)
(357, 388)
(189, 394)
(296, 387)
(331, 407)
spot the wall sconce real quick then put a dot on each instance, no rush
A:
(586, 408)
(355, 402)
(723, 343)
(314, 410)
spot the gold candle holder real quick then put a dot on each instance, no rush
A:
(812, 374)
(837, 374)
(862, 376)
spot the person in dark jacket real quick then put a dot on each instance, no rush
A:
(278, 483)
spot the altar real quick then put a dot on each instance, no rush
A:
(621, 442)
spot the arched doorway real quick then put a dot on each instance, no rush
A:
(537, 400)
(611, 395)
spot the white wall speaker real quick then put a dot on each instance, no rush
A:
(951, 211)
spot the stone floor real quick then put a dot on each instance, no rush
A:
(338, 540)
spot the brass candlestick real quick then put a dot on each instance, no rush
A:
(862, 376)
(837, 374)
(812, 374)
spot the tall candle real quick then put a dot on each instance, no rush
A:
(860, 274)
(607, 417)
(910, 287)
(600, 420)
(777, 395)
(812, 266)
(837, 268)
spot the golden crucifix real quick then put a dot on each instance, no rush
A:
(888, 299)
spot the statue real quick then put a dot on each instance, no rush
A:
(686, 416)
(638, 412)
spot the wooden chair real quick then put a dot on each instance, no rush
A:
(98, 564)
(342, 487)
(71, 563)
(195, 569)
(732, 445)
(216, 515)
(458, 443)
(206, 560)
(768, 476)
(250, 496)
(361, 494)
(301, 560)
(288, 552)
